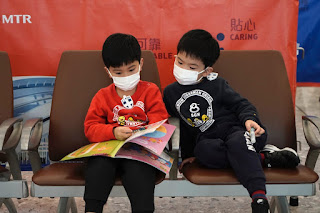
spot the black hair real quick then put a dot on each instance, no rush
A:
(201, 45)
(120, 49)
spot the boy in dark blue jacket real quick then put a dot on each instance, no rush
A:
(216, 121)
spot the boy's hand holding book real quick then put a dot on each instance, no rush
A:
(145, 144)
(122, 133)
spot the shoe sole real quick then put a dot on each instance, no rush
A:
(272, 148)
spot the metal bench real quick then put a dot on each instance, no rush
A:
(258, 75)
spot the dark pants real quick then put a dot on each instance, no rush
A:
(137, 178)
(236, 151)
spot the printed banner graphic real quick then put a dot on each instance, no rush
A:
(32, 98)
(35, 33)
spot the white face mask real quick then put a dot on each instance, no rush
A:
(186, 77)
(128, 82)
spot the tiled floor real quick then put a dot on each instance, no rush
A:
(307, 102)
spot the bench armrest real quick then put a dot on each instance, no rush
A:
(310, 136)
(30, 141)
(10, 133)
(15, 126)
(174, 144)
(31, 134)
(312, 140)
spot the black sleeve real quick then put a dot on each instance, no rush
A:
(169, 102)
(187, 136)
(238, 104)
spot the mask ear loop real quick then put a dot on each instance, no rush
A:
(109, 72)
(200, 73)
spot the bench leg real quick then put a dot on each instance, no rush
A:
(273, 205)
(67, 203)
(35, 161)
(173, 174)
(281, 203)
(312, 158)
(73, 206)
(10, 205)
(14, 164)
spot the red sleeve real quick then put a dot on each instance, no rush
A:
(95, 127)
(155, 108)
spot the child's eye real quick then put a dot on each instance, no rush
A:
(131, 70)
(192, 68)
(179, 62)
(118, 73)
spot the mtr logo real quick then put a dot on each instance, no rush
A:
(16, 19)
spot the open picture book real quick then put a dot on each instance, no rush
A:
(146, 144)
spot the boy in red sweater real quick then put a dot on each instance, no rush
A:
(114, 112)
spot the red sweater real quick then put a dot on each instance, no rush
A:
(106, 111)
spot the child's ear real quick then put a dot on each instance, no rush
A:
(208, 71)
(106, 69)
(141, 63)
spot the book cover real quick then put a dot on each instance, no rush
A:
(163, 162)
(146, 144)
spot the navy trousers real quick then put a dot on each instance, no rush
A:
(234, 150)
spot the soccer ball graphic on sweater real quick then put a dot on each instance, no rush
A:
(127, 102)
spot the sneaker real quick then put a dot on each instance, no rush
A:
(281, 158)
(260, 205)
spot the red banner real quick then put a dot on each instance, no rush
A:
(35, 33)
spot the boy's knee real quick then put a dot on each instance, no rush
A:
(99, 160)
(211, 153)
(139, 169)
(208, 146)
(240, 140)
